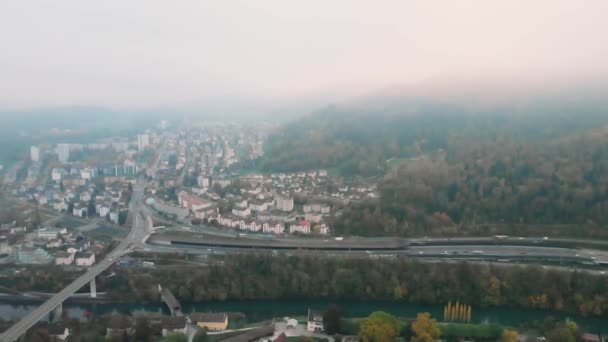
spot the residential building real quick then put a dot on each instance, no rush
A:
(210, 321)
(273, 227)
(54, 244)
(85, 259)
(34, 154)
(302, 227)
(206, 212)
(79, 210)
(60, 205)
(5, 248)
(87, 173)
(143, 140)
(57, 174)
(31, 256)
(63, 152)
(192, 202)
(316, 208)
(118, 325)
(315, 321)
(64, 258)
(42, 200)
(284, 203)
(80, 245)
(114, 216)
(102, 210)
(173, 324)
(222, 182)
(313, 217)
(50, 233)
(203, 181)
(85, 196)
(324, 229)
(241, 211)
(258, 205)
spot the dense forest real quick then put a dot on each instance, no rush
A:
(506, 186)
(400, 279)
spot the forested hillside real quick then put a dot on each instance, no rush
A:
(456, 167)
(508, 185)
(360, 140)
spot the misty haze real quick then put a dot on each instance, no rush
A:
(307, 171)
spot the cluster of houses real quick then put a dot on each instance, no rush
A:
(258, 211)
(118, 325)
(121, 324)
(82, 198)
(46, 246)
(318, 184)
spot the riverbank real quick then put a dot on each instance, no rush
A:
(258, 311)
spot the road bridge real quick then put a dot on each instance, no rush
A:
(138, 232)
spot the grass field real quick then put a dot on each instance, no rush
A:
(106, 232)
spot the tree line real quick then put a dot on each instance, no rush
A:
(398, 279)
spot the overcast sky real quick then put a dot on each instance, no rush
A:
(122, 53)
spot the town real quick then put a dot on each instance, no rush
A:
(202, 176)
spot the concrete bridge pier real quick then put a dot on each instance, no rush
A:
(93, 287)
(58, 312)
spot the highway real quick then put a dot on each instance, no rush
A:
(141, 227)
(512, 250)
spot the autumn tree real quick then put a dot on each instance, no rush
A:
(425, 328)
(510, 336)
(379, 327)
(561, 334)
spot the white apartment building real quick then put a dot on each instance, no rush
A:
(34, 153)
(85, 259)
(64, 258)
(63, 152)
(284, 203)
(143, 141)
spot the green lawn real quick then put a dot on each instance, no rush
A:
(476, 331)
(108, 232)
(70, 223)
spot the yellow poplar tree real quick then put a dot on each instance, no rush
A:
(452, 311)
